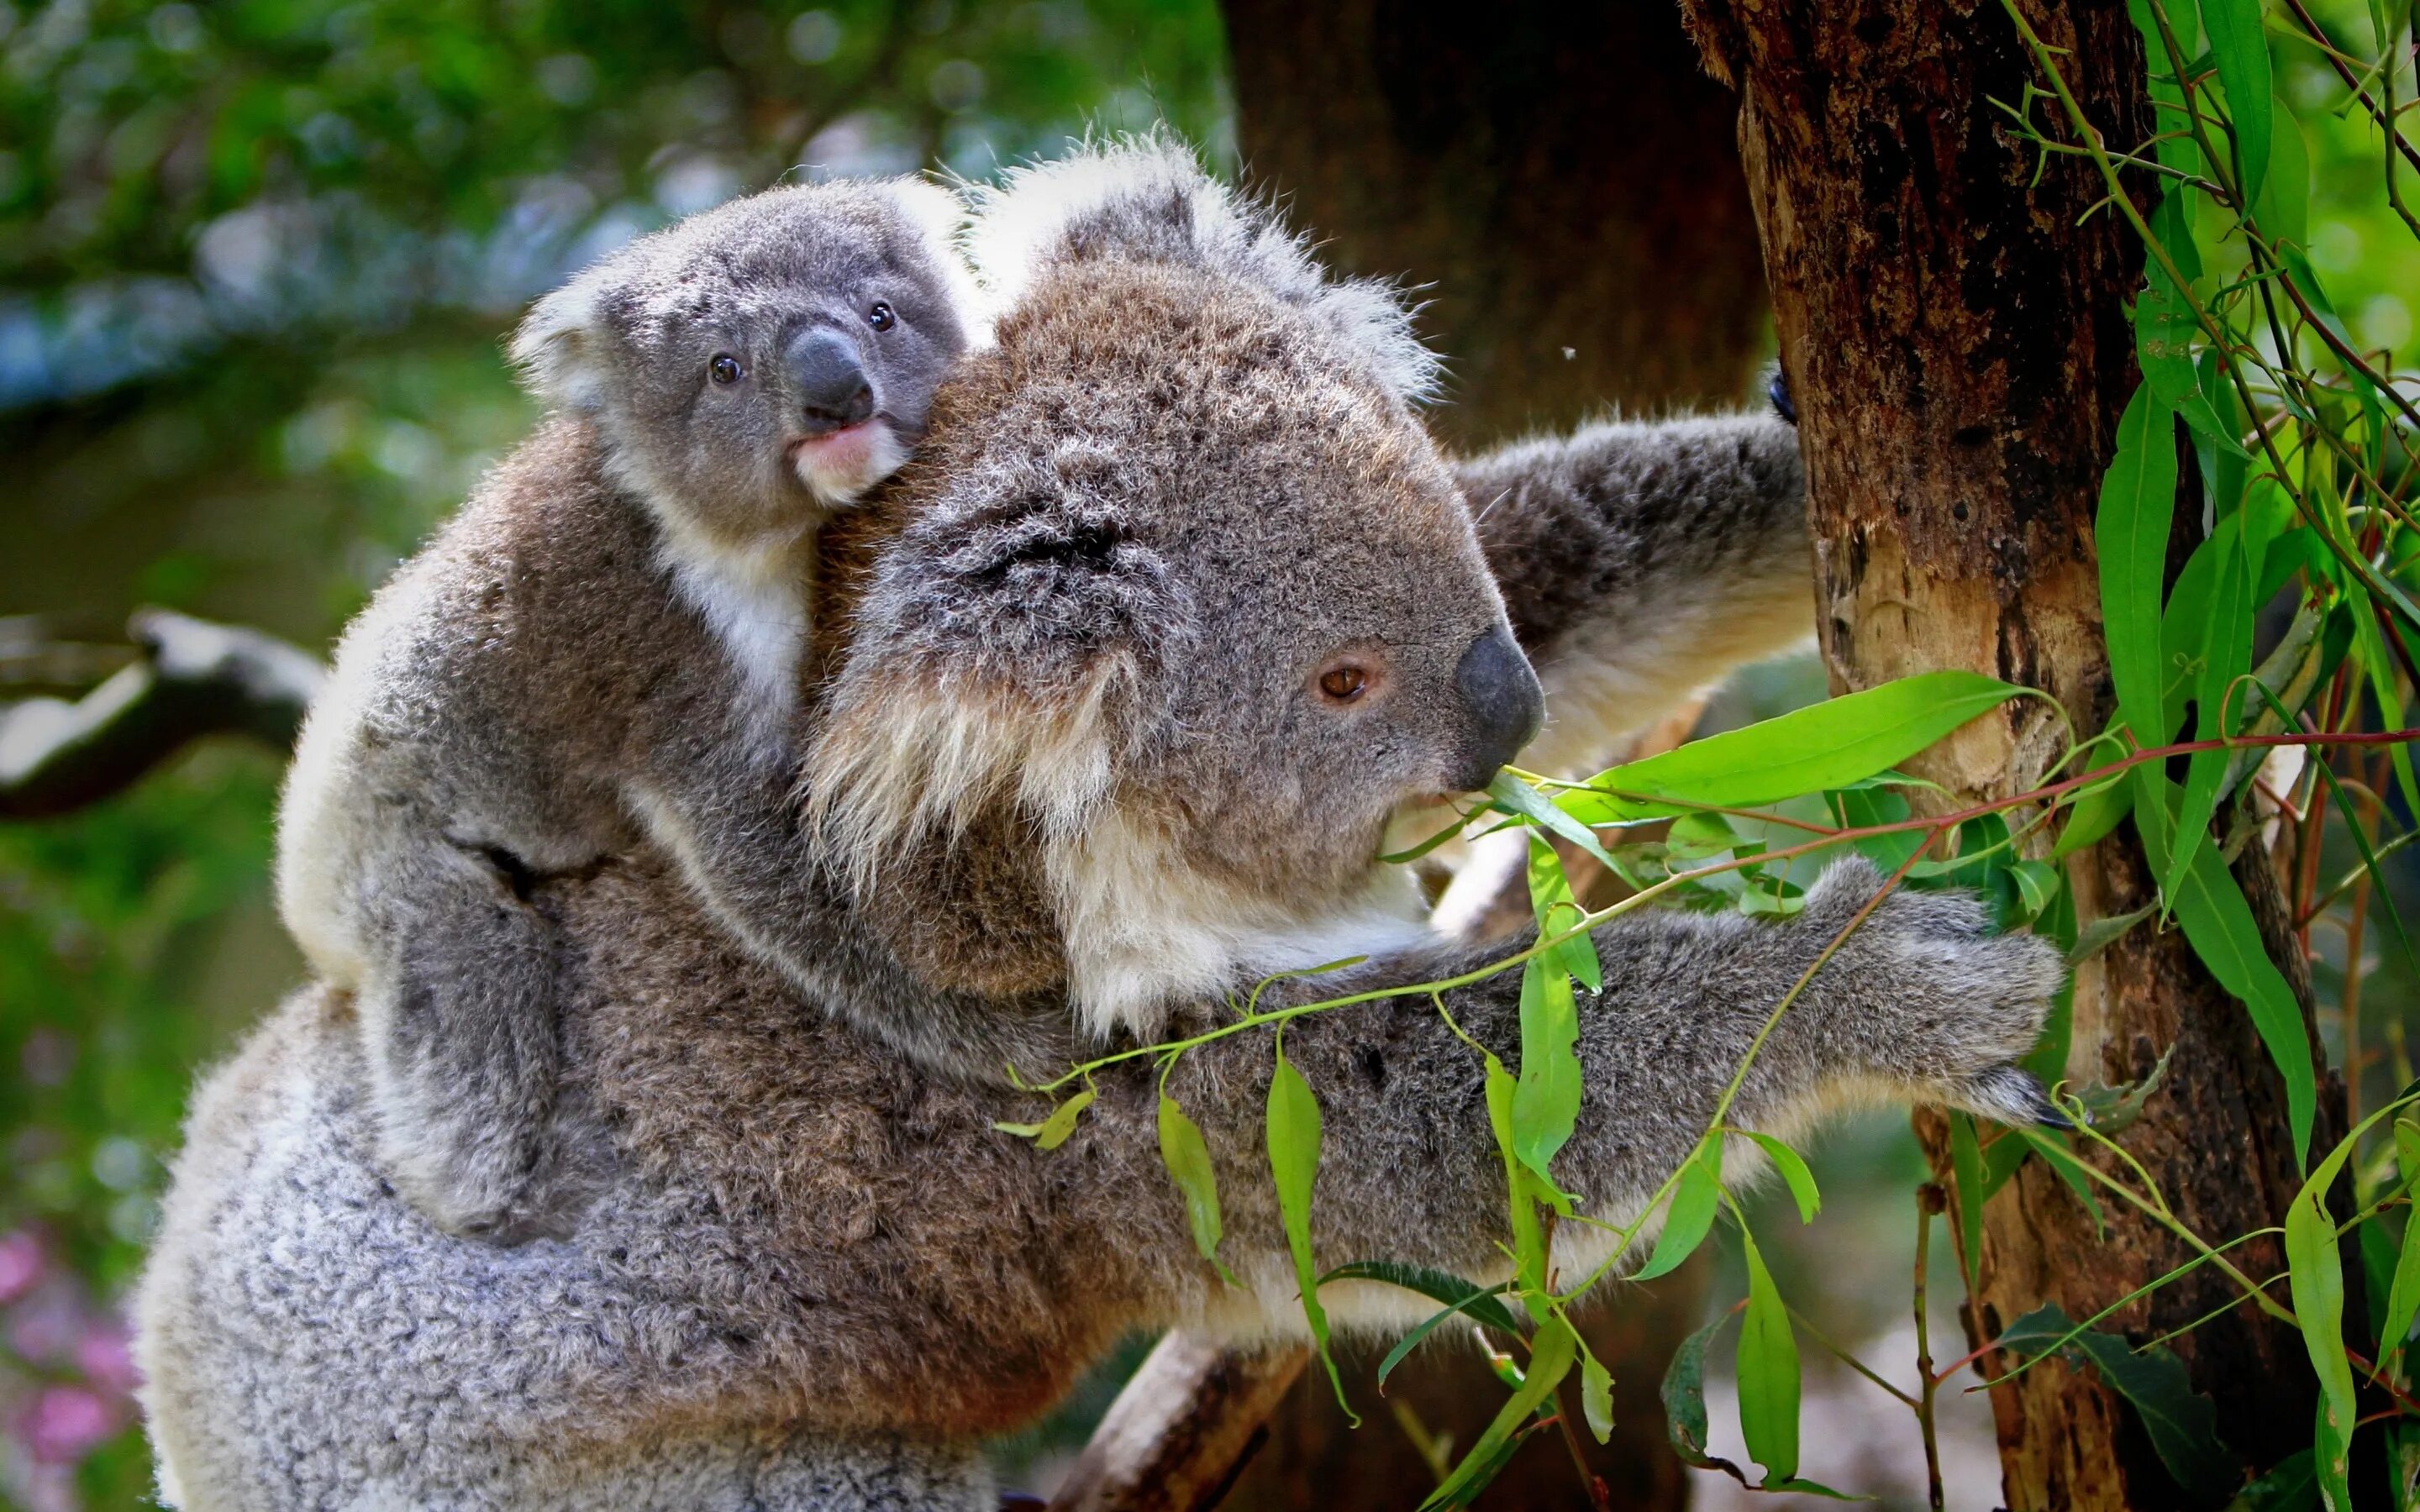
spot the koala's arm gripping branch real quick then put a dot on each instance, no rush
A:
(1641, 561)
(191, 679)
(1919, 999)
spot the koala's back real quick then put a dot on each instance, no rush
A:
(492, 690)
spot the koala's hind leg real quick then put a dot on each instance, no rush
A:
(461, 1014)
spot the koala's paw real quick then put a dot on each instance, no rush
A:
(1931, 1000)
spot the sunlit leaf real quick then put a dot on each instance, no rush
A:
(1793, 1170)
(1294, 1134)
(1828, 745)
(1186, 1155)
(1551, 901)
(1053, 1131)
(1551, 1353)
(1695, 1197)
(2315, 1273)
(1470, 1307)
(2227, 654)
(1546, 1103)
(1768, 1372)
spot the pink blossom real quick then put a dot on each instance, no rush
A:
(106, 1356)
(65, 1422)
(21, 1264)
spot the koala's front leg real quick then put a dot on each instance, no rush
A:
(1641, 561)
(461, 1012)
(1922, 1004)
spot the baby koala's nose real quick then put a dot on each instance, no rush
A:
(830, 382)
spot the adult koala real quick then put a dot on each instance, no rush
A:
(1178, 604)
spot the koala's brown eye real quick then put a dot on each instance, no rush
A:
(1343, 684)
(724, 368)
(881, 318)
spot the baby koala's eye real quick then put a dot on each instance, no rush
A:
(1343, 684)
(724, 368)
(881, 318)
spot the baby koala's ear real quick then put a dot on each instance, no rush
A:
(557, 349)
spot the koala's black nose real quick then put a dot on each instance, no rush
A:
(1505, 703)
(830, 382)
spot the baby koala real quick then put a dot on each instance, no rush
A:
(601, 648)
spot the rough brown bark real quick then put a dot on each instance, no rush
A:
(1957, 346)
(1560, 178)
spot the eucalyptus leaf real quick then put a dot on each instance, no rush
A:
(1458, 1295)
(1596, 1397)
(1053, 1131)
(2315, 1274)
(1546, 1102)
(1685, 1402)
(1768, 1372)
(2240, 49)
(1793, 1170)
(1695, 1198)
(1186, 1155)
(1293, 1136)
(1827, 745)
(2138, 498)
(2181, 1425)
(1551, 1353)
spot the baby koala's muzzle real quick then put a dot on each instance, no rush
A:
(830, 382)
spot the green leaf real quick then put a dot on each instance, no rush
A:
(2111, 1110)
(1186, 1155)
(2240, 49)
(1596, 1396)
(1695, 1197)
(1519, 798)
(1685, 1402)
(1457, 1294)
(1793, 1170)
(1768, 1372)
(2227, 654)
(2315, 1271)
(1550, 898)
(1471, 1307)
(1294, 1134)
(2293, 1486)
(2219, 925)
(1528, 1240)
(1551, 1353)
(1861, 808)
(2181, 1425)
(2101, 934)
(2038, 884)
(1053, 1131)
(1828, 745)
(2284, 209)
(2138, 499)
(2099, 811)
(1966, 1175)
(1546, 1103)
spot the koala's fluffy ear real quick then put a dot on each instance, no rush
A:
(1148, 199)
(994, 659)
(941, 217)
(555, 348)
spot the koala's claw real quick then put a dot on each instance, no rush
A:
(2013, 1097)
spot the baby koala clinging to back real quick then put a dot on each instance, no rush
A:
(603, 646)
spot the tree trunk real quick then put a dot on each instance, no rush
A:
(1956, 339)
(1560, 180)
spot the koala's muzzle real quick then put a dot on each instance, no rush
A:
(1505, 703)
(830, 381)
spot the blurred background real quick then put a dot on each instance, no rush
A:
(255, 261)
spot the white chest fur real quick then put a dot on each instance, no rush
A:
(754, 600)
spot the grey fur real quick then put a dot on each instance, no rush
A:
(602, 645)
(1169, 495)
